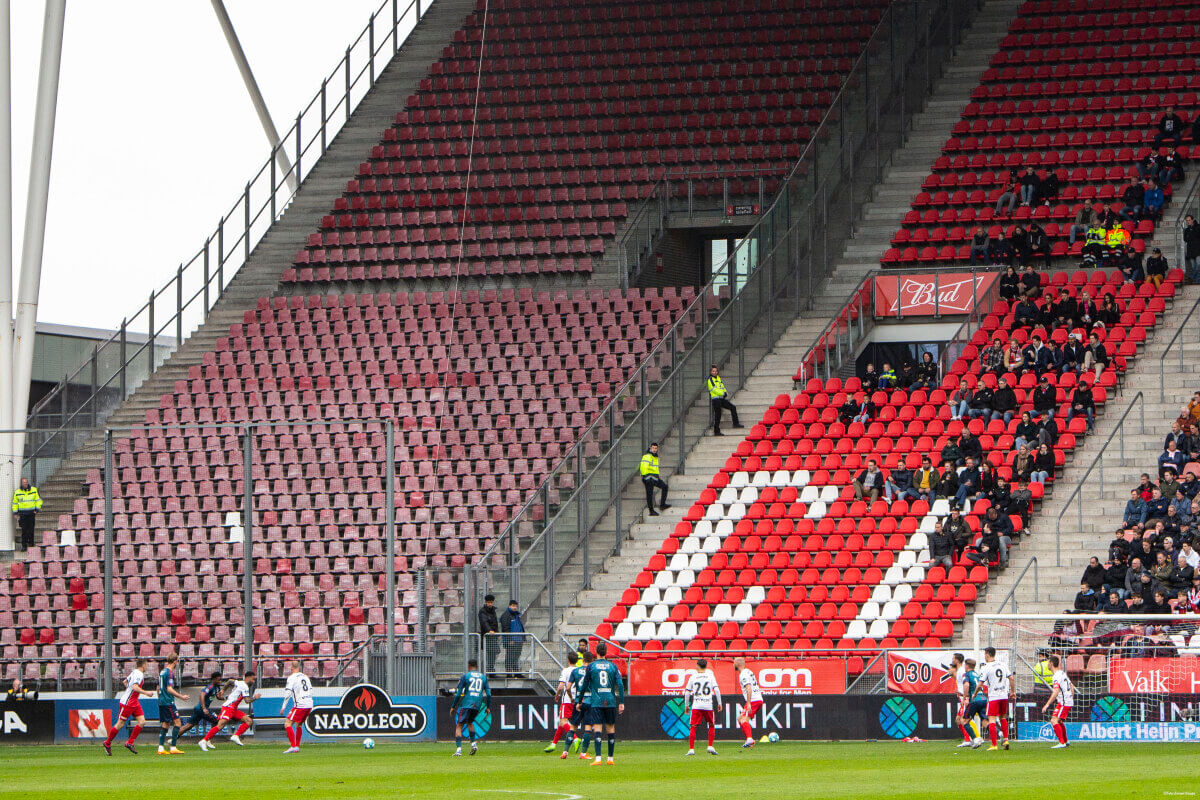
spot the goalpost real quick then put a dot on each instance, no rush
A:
(1136, 677)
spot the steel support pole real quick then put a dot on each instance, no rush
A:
(108, 564)
(389, 524)
(256, 98)
(248, 545)
(10, 461)
(34, 239)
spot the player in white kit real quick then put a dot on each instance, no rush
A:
(997, 679)
(702, 696)
(564, 696)
(131, 707)
(1062, 690)
(299, 694)
(753, 697)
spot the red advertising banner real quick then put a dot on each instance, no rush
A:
(920, 672)
(930, 293)
(785, 676)
(1159, 675)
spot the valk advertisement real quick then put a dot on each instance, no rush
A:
(815, 676)
(1154, 675)
(27, 722)
(792, 716)
(930, 294)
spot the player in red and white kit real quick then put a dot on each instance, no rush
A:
(131, 707)
(299, 694)
(1062, 690)
(564, 695)
(234, 695)
(701, 695)
(997, 679)
(753, 697)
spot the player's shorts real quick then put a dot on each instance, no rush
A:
(232, 713)
(580, 715)
(200, 714)
(997, 708)
(131, 710)
(566, 711)
(699, 716)
(976, 708)
(752, 708)
(465, 716)
(168, 714)
(1061, 711)
(605, 715)
(298, 715)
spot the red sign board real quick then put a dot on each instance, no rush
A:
(930, 293)
(1161, 675)
(784, 676)
(920, 672)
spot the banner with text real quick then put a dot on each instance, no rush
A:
(929, 294)
(794, 676)
(920, 672)
(1154, 675)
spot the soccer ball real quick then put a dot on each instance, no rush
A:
(773, 737)
(368, 744)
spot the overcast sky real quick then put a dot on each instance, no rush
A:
(155, 134)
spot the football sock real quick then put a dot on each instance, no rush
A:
(134, 734)
(245, 726)
(290, 734)
(1004, 726)
(1061, 730)
(692, 738)
(299, 733)
(211, 733)
(966, 734)
(974, 726)
(458, 741)
(746, 729)
(559, 731)
(174, 736)
(162, 737)
(567, 741)
(596, 741)
(612, 744)
(992, 732)
(112, 734)
(712, 734)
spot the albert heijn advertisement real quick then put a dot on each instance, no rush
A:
(1118, 718)
(785, 676)
(792, 716)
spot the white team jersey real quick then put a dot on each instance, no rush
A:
(299, 688)
(749, 681)
(964, 686)
(703, 691)
(568, 695)
(135, 679)
(237, 694)
(995, 678)
(1066, 689)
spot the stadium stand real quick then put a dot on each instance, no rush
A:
(1077, 90)
(578, 118)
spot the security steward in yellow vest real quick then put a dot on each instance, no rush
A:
(1095, 245)
(26, 502)
(650, 479)
(718, 399)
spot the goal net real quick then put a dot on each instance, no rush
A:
(1136, 678)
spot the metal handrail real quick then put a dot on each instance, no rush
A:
(1162, 360)
(1011, 597)
(1097, 462)
(212, 268)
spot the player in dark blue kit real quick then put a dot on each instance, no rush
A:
(472, 696)
(200, 712)
(168, 714)
(605, 690)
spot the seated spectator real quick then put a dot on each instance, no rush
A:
(1152, 202)
(952, 454)
(1170, 459)
(1168, 485)
(1039, 242)
(1135, 509)
(1113, 604)
(1050, 360)
(887, 378)
(1029, 183)
(1007, 201)
(989, 549)
(1190, 486)
(980, 250)
(955, 526)
(981, 403)
(1117, 240)
(1146, 487)
(1132, 199)
(1131, 268)
(1093, 575)
(1159, 605)
(869, 482)
(1010, 284)
(1085, 600)
(1004, 402)
(1193, 594)
(1160, 573)
(1192, 410)
(992, 357)
(1095, 243)
(970, 445)
(968, 483)
(960, 400)
(1083, 403)
(1170, 128)
(926, 373)
(1114, 574)
(847, 411)
(1048, 430)
(1030, 355)
(1014, 356)
(1025, 435)
(1001, 250)
(864, 410)
(1073, 354)
(1175, 435)
(1047, 189)
(1043, 464)
(1031, 282)
(941, 547)
(948, 485)
(1085, 218)
(1137, 578)
(870, 379)
(1064, 312)
(1095, 355)
(1156, 506)
(1020, 243)
(898, 485)
(1170, 167)
(1045, 396)
(1109, 313)
(925, 481)
(1148, 166)
(907, 375)
(1156, 268)
(1181, 574)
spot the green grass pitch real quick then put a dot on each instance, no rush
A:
(643, 770)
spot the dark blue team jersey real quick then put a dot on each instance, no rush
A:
(207, 695)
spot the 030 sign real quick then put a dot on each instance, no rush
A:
(929, 294)
(824, 676)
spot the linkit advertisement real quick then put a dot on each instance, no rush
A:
(795, 717)
(27, 722)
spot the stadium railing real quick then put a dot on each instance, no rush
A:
(172, 313)
(788, 252)
(1010, 599)
(1176, 346)
(1097, 466)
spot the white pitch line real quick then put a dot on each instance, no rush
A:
(559, 795)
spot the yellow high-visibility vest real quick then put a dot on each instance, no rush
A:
(649, 464)
(716, 387)
(26, 500)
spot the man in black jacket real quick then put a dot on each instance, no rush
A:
(970, 445)
(1083, 402)
(955, 526)
(968, 483)
(1004, 404)
(1045, 398)
(1039, 243)
(989, 548)
(1170, 167)
(979, 245)
(981, 406)
(1001, 250)
(514, 637)
(489, 629)
(1170, 128)
(941, 547)
(1191, 248)
(1027, 314)
(1133, 197)
(1073, 354)
(1095, 355)
(1065, 310)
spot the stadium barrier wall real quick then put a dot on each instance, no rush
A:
(27, 722)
